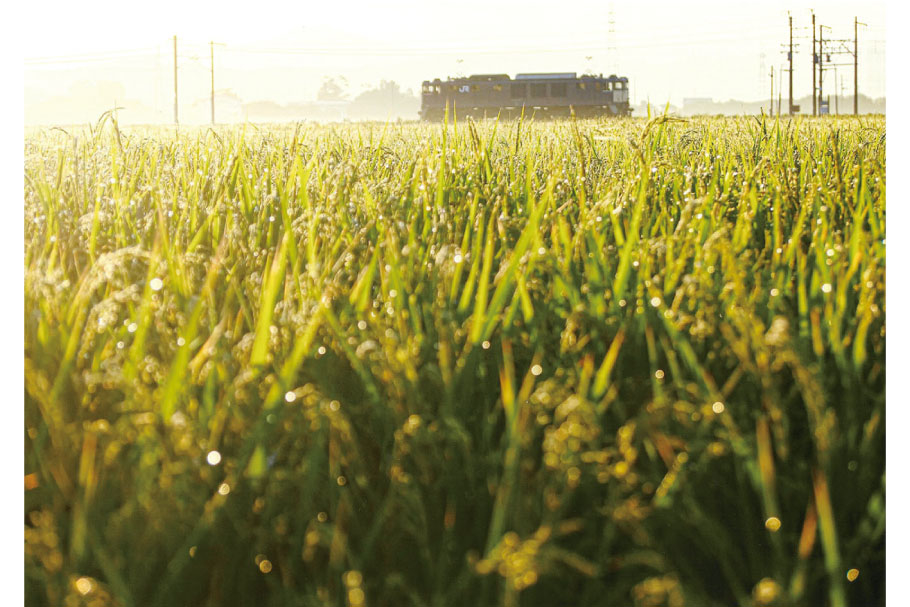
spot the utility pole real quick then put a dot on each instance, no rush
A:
(212, 58)
(771, 106)
(158, 81)
(176, 122)
(790, 57)
(856, 24)
(814, 59)
(836, 112)
(836, 98)
(855, 66)
(780, 92)
(821, 70)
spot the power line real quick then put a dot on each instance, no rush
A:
(822, 51)
(91, 56)
(467, 51)
(373, 51)
(85, 61)
(149, 52)
(189, 55)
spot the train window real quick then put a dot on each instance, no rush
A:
(538, 90)
(519, 91)
(497, 87)
(474, 88)
(558, 90)
(599, 86)
(581, 86)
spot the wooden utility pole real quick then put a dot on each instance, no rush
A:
(212, 58)
(814, 59)
(175, 81)
(856, 25)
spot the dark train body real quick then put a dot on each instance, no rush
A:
(541, 95)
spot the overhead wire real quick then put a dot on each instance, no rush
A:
(191, 51)
(596, 45)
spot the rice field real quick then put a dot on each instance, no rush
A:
(606, 362)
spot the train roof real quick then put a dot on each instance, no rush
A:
(530, 76)
(547, 76)
(488, 77)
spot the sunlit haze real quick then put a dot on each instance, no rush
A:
(279, 52)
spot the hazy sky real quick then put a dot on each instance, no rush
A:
(281, 51)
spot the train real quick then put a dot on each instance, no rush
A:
(549, 95)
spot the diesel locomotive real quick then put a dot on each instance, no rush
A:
(548, 95)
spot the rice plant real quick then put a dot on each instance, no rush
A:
(628, 362)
